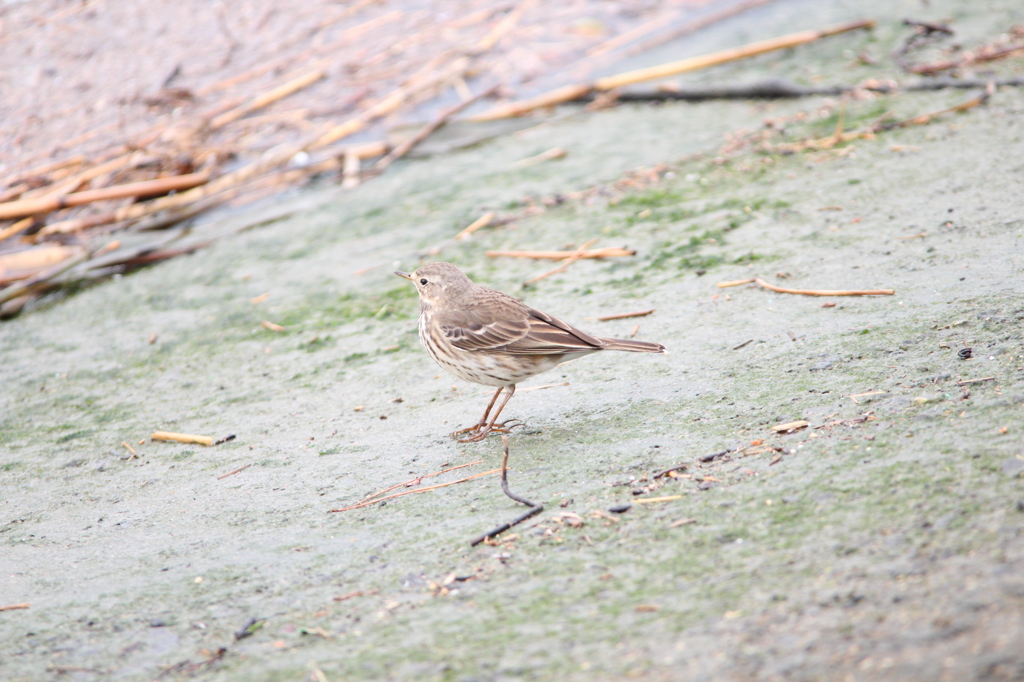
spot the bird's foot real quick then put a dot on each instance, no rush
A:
(479, 432)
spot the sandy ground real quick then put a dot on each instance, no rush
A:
(885, 543)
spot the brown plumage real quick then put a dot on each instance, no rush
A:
(487, 337)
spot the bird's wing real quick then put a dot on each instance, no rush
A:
(506, 325)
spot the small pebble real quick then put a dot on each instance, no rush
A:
(620, 508)
(1012, 467)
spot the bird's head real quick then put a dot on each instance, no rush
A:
(438, 283)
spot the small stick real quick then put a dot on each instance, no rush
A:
(417, 490)
(234, 471)
(503, 27)
(861, 395)
(648, 500)
(607, 252)
(622, 316)
(14, 607)
(745, 343)
(14, 191)
(564, 264)
(135, 455)
(809, 292)
(569, 93)
(632, 34)
(790, 427)
(70, 184)
(416, 480)
(350, 595)
(533, 510)
(47, 168)
(561, 95)
(783, 89)
(633, 331)
(975, 57)
(481, 222)
(350, 170)
(424, 132)
(16, 290)
(704, 61)
(26, 207)
(182, 438)
(549, 155)
(713, 456)
(77, 224)
(17, 227)
(665, 472)
(268, 98)
(975, 381)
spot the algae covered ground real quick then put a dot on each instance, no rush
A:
(882, 541)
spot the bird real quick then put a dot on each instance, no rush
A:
(487, 337)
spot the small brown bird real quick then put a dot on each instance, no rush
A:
(487, 337)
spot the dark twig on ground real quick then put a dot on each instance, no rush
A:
(533, 510)
(924, 32)
(778, 88)
(712, 457)
(665, 472)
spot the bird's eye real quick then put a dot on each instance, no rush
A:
(423, 280)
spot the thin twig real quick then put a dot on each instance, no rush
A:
(975, 381)
(503, 27)
(417, 490)
(623, 316)
(665, 472)
(549, 155)
(480, 223)
(416, 481)
(861, 395)
(14, 607)
(564, 264)
(776, 88)
(268, 98)
(26, 207)
(533, 510)
(424, 132)
(571, 92)
(607, 252)
(809, 292)
(42, 278)
(182, 438)
(234, 471)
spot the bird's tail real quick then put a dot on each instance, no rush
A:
(632, 346)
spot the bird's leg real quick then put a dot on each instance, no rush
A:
(483, 420)
(500, 428)
(483, 429)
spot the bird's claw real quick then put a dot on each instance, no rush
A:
(480, 431)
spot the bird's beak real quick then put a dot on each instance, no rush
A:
(404, 274)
